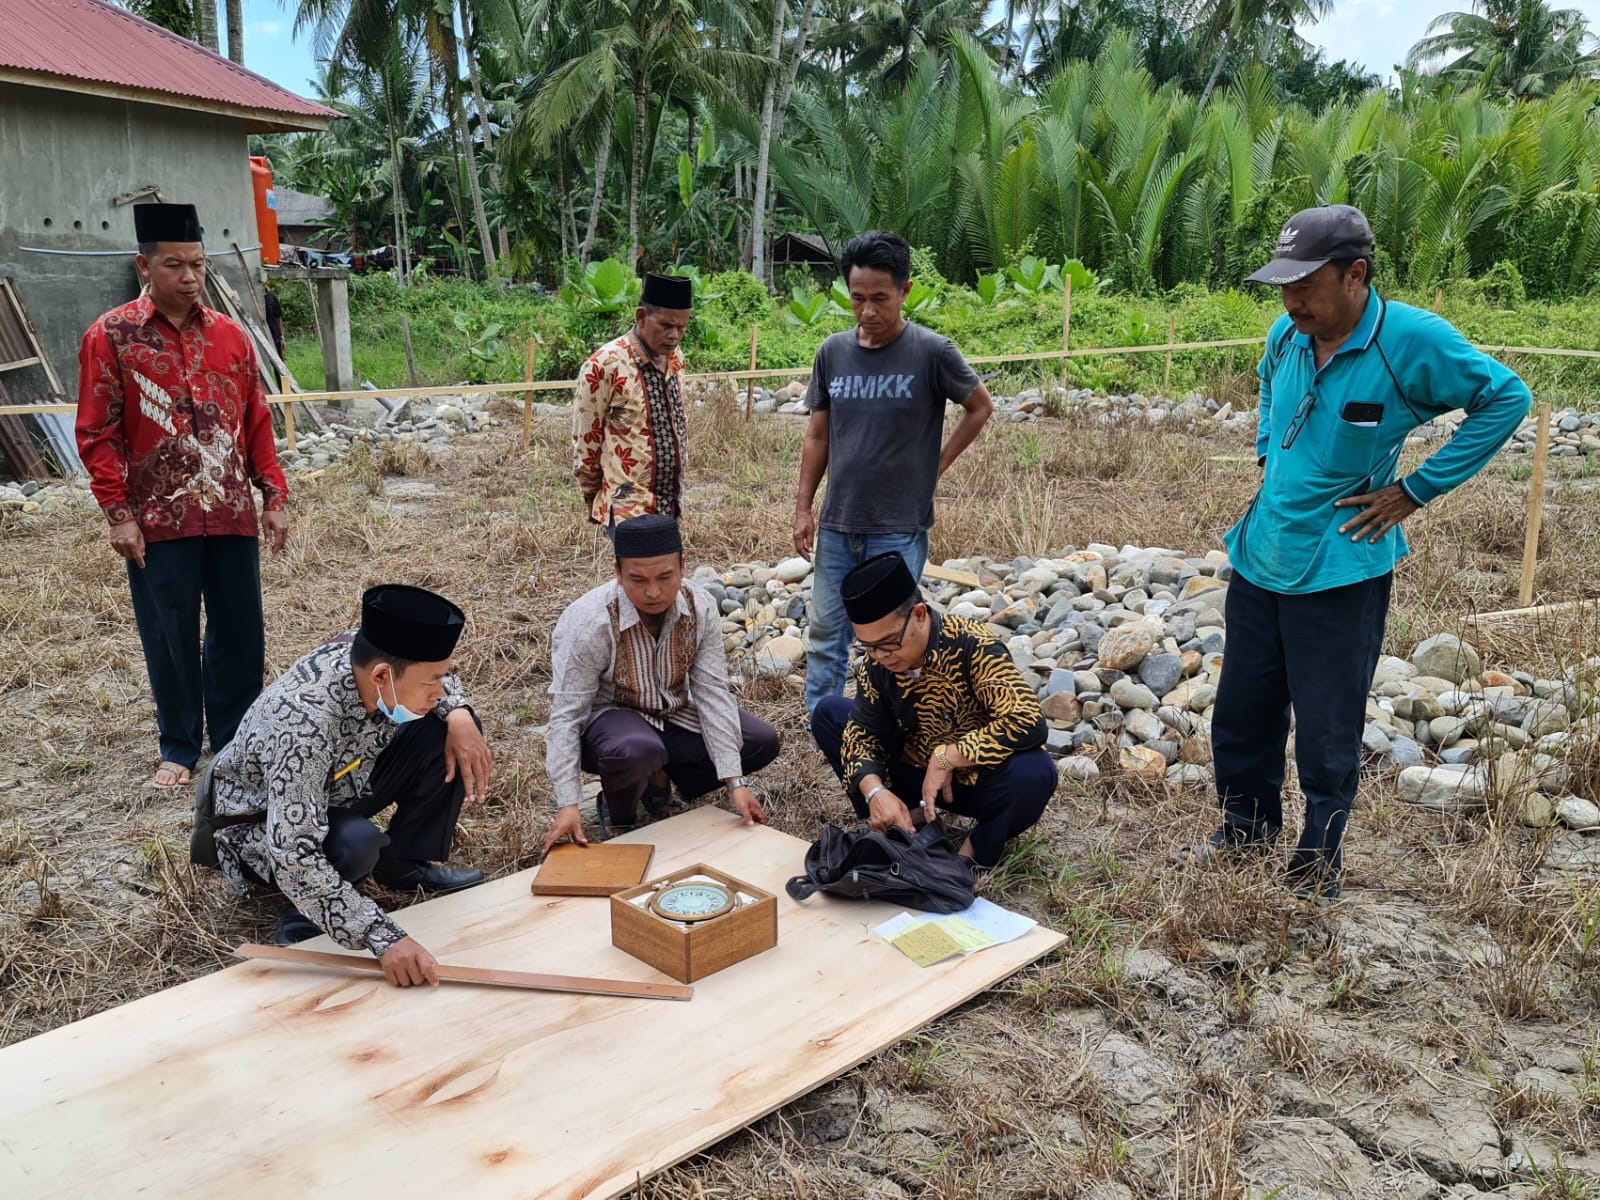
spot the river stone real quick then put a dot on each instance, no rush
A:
(1405, 752)
(1160, 672)
(1143, 725)
(1061, 680)
(1545, 717)
(1188, 775)
(1078, 767)
(1446, 788)
(1448, 657)
(793, 570)
(1061, 706)
(785, 649)
(1129, 694)
(1443, 731)
(1538, 811)
(1577, 813)
(1124, 647)
(1143, 763)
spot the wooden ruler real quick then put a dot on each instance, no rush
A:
(514, 979)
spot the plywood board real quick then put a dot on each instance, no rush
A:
(598, 869)
(264, 1081)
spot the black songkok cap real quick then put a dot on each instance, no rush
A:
(877, 588)
(166, 223)
(668, 291)
(411, 623)
(648, 536)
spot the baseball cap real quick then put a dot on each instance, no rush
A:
(1313, 237)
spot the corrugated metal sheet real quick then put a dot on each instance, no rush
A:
(95, 42)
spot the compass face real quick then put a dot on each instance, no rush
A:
(692, 901)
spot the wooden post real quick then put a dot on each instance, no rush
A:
(288, 419)
(1530, 539)
(1172, 336)
(411, 361)
(527, 396)
(750, 385)
(1066, 323)
(1438, 300)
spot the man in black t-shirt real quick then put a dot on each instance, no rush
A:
(877, 400)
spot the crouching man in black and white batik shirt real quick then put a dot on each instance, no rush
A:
(372, 719)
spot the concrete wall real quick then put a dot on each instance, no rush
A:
(63, 158)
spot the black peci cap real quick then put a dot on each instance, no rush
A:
(668, 291)
(876, 588)
(411, 622)
(166, 223)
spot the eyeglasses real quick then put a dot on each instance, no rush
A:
(1300, 415)
(888, 646)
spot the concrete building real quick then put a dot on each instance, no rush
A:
(97, 108)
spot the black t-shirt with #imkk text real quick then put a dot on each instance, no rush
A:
(885, 411)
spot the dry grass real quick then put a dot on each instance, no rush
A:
(98, 905)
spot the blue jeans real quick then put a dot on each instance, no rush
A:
(828, 634)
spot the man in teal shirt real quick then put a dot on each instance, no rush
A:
(1346, 376)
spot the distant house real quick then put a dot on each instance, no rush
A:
(305, 220)
(98, 107)
(806, 250)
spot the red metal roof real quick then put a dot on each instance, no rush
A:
(94, 43)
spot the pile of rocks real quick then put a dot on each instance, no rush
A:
(31, 498)
(1033, 403)
(1573, 434)
(1124, 646)
(411, 423)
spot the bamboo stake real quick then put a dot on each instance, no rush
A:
(411, 361)
(1530, 540)
(1172, 336)
(750, 388)
(578, 984)
(288, 420)
(527, 396)
(1066, 324)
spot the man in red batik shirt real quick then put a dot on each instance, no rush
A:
(173, 431)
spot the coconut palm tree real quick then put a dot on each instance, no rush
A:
(1518, 48)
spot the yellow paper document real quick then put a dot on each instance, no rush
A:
(925, 943)
(968, 937)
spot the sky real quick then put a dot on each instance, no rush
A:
(1376, 33)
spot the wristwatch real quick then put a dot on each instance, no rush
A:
(941, 759)
(740, 782)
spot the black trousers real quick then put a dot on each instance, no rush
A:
(1315, 654)
(1004, 802)
(200, 684)
(625, 750)
(409, 776)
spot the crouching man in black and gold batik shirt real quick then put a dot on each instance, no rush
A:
(942, 718)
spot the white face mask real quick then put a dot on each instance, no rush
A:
(399, 714)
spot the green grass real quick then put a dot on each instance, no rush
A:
(719, 339)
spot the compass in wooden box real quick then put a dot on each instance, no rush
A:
(693, 922)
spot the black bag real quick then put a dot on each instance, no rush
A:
(920, 872)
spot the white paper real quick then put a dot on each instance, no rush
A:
(1001, 924)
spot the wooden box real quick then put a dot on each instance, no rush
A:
(693, 952)
(602, 869)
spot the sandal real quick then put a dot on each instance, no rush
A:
(604, 829)
(661, 804)
(182, 776)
